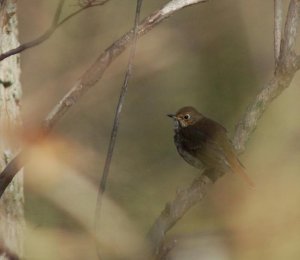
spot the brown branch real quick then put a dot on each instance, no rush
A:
(284, 72)
(176, 209)
(83, 7)
(165, 250)
(48, 33)
(90, 78)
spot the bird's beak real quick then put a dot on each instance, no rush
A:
(172, 116)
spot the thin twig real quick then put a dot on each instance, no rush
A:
(277, 28)
(90, 78)
(114, 132)
(283, 75)
(92, 4)
(48, 33)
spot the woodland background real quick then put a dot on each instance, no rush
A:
(215, 56)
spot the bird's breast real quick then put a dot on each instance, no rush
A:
(182, 145)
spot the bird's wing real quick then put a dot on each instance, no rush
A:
(218, 153)
(213, 154)
(223, 158)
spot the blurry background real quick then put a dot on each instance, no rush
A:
(214, 56)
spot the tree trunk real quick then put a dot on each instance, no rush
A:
(11, 204)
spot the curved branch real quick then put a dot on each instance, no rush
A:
(83, 7)
(176, 209)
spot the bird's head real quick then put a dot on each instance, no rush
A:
(186, 116)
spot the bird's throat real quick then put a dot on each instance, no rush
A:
(176, 126)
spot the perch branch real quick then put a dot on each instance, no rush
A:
(165, 251)
(176, 209)
(284, 72)
(91, 77)
(54, 26)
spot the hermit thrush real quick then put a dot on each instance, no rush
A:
(203, 143)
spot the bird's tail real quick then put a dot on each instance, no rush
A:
(240, 170)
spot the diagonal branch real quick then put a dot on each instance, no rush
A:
(83, 7)
(91, 77)
(54, 26)
(176, 209)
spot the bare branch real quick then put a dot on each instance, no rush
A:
(90, 78)
(83, 7)
(176, 209)
(255, 110)
(48, 33)
(277, 27)
(165, 250)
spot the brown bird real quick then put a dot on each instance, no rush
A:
(203, 143)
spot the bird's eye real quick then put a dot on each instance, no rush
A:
(187, 117)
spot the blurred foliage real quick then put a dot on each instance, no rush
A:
(214, 56)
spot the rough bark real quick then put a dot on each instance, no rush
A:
(11, 207)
